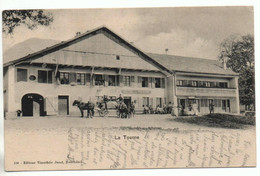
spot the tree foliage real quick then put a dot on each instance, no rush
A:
(30, 18)
(239, 54)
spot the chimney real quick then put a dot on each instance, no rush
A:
(78, 33)
(225, 63)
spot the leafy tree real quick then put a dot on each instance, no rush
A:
(31, 18)
(238, 52)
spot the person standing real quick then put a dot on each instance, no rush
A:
(91, 107)
(132, 109)
(211, 108)
(105, 100)
(120, 98)
(195, 108)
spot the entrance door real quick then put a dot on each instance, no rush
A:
(224, 105)
(127, 101)
(228, 105)
(63, 105)
(182, 103)
(36, 109)
(33, 105)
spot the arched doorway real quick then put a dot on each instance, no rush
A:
(33, 105)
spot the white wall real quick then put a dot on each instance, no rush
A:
(51, 91)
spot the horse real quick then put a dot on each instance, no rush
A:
(89, 106)
(123, 110)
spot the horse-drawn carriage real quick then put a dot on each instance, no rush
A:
(119, 107)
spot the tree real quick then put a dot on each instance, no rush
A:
(31, 18)
(239, 54)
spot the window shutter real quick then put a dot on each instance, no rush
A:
(88, 79)
(50, 76)
(121, 83)
(92, 80)
(150, 82)
(117, 80)
(163, 82)
(106, 80)
(151, 101)
(139, 81)
(215, 103)
(72, 78)
(185, 83)
(189, 83)
(132, 80)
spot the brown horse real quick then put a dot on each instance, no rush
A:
(89, 106)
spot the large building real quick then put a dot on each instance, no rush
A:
(98, 63)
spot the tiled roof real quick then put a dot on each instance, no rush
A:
(167, 63)
(190, 64)
(81, 37)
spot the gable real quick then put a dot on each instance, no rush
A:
(99, 51)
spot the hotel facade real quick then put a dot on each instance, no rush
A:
(98, 63)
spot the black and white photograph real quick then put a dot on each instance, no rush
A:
(129, 88)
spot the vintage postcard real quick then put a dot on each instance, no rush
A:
(129, 88)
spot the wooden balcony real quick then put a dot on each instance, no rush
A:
(207, 92)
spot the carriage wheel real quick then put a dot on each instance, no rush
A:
(117, 114)
(124, 115)
(102, 113)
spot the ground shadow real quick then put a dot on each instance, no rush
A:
(218, 121)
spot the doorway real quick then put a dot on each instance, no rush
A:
(127, 101)
(33, 105)
(63, 105)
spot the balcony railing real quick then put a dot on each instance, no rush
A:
(206, 91)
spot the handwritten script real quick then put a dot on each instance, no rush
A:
(118, 149)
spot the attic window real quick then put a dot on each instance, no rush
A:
(21, 74)
(117, 57)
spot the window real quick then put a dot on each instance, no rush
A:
(204, 103)
(217, 103)
(44, 76)
(145, 101)
(117, 57)
(157, 82)
(207, 84)
(158, 102)
(212, 84)
(185, 83)
(127, 81)
(99, 80)
(80, 78)
(64, 78)
(179, 82)
(88, 79)
(200, 83)
(194, 83)
(223, 84)
(144, 82)
(21, 74)
(112, 80)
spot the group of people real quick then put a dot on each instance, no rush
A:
(164, 109)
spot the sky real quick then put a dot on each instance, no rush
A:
(193, 32)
